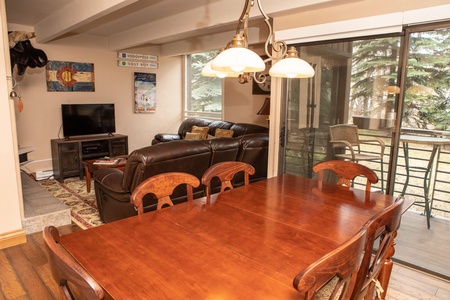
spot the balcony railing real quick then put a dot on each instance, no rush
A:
(304, 148)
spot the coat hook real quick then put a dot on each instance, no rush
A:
(13, 93)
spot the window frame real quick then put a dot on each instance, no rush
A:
(187, 111)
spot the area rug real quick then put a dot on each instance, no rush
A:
(72, 192)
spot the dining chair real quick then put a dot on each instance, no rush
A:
(333, 276)
(347, 171)
(375, 267)
(74, 281)
(225, 172)
(346, 136)
(162, 186)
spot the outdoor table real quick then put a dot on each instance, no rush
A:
(429, 171)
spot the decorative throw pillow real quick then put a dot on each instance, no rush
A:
(192, 136)
(202, 130)
(223, 133)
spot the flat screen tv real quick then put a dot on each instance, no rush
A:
(87, 119)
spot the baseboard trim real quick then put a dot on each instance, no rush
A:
(12, 238)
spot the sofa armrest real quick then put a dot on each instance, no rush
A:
(165, 137)
(110, 179)
(113, 201)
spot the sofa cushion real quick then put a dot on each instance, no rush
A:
(223, 133)
(219, 124)
(203, 131)
(193, 136)
(254, 150)
(223, 149)
(186, 125)
(244, 128)
(190, 156)
(165, 137)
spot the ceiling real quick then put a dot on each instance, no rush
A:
(134, 23)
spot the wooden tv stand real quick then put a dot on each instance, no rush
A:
(68, 154)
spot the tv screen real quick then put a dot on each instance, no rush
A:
(87, 119)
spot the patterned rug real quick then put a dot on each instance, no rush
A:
(72, 192)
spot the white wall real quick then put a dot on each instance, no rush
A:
(241, 105)
(40, 119)
(10, 207)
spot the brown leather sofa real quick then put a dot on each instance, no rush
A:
(113, 188)
(239, 129)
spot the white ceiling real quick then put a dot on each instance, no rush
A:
(133, 23)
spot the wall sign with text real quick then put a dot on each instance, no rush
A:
(136, 60)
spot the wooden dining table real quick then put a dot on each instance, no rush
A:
(247, 243)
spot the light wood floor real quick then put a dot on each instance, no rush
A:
(426, 249)
(25, 274)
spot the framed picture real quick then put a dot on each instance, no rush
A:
(144, 92)
(65, 76)
(262, 88)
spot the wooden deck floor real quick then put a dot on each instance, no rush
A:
(425, 249)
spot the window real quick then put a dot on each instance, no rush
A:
(203, 94)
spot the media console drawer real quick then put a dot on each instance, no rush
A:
(68, 154)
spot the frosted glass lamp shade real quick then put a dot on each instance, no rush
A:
(238, 60)
(208, 72)
(291, 67)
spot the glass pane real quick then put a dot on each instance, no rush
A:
(425, 118)
(205, 93)
(354, 83)
(423, 163)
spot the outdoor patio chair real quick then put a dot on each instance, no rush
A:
(346, 136)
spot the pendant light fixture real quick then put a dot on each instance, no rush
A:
(238, 61)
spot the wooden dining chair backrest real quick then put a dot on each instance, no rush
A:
(346, 171)
(333, 276)
(70, 276)
(225, 172)
(382, 227)
(162, 186)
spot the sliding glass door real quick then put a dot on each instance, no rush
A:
(353, 84)
(392, 88)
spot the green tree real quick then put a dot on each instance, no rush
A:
(206, 92)
(427, 86)
(426, 101)
(374, 67)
